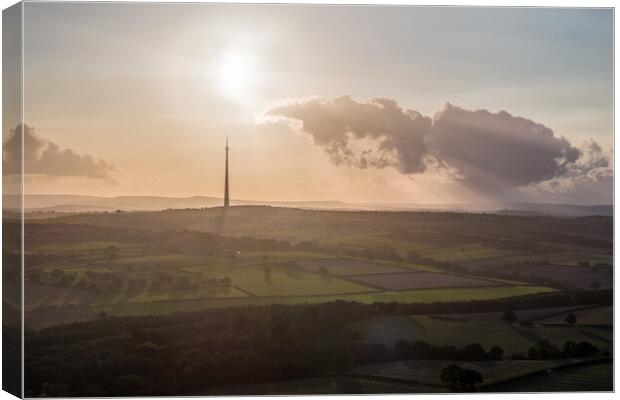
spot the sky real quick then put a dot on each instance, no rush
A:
(353, 103)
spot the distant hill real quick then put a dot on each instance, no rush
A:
(77, 204)
(558, 209)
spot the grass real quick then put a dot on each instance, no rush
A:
(257, 256)
(414, 296)
(462, 252)
(346, 266)
(316, 386)
(44, 296)
(562, 258)
(168, 295)
(512, 338)
(280, 281)
(82, 246)
(588, 316)
(532, 315)
(285, 283)
(420, 280)
(464, 294)
(427, 371)
(168, 259)
(597, 377)
(575, 258)
(365, 240)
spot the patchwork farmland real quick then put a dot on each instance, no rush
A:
(116, 277)
(397, 280)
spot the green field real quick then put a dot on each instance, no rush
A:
(168, 295)
(512, 338)
(268, 277)
(598, 377)
(260, 277)
(555, 257)
(81, 246)
(462, 252)
(415, 296)
(587, 316)
(317, 386)
(161, 259)
(457, 294)
(344, 267)
(240, 295)
(280, 281)
(427, 371)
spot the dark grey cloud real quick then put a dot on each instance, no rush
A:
(499, 150)
(377, 133)
(491, 152)
(43, 157)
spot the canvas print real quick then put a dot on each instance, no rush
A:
(206, 199)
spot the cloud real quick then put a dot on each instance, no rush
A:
(590, 175)
(486, 151)
(374, 134)
(43, 157)
(498, 150)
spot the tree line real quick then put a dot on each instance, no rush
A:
(185, 352)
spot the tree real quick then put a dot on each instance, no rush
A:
(403, 349)
(468, 378)
(463, 377)
(586, 349)
(571, 319)
(496, 353)
(509, 316)
(543, 350)
(342, 362)
(473, 352)
(450, 375)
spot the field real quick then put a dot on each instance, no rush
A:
(171, 306)
(463, 252)
(534, 315)
(577, 277)
(137, 277)
(139, 283)
(562, 257)
(279, 281)
(425, 371)
(504, 376)
(317, 386)
(585, 316)
(344, 267)
(512, 338)
(419, 280)
(597, 377)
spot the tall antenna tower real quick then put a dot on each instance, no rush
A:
(226, 196)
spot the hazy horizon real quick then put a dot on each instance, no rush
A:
(221, 197)
(320, 103)
(71, 203)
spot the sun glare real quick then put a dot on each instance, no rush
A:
(237, 76)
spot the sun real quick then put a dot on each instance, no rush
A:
(237, 75)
